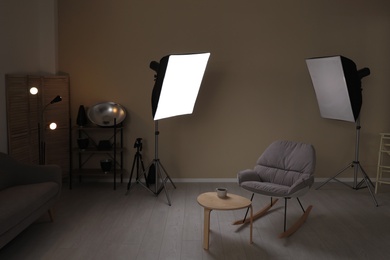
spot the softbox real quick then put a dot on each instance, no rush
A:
(177, 84)
(337, 85)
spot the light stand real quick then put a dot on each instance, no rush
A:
(337, 85)
(357, 167)
(176, 87)
(159, 170)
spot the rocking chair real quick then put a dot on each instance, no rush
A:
(284, 170)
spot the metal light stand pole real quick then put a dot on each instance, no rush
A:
(41, 131)
(159, 168)
(357, 166)
(41, 144)
(41, 136)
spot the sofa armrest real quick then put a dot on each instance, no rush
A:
(18, 173)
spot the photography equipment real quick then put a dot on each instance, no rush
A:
(136, 163)
(103, 114)
(337, 84)
(177, 82)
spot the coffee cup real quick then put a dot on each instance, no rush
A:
(221, 192)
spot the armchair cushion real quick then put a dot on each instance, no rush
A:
(283, 169)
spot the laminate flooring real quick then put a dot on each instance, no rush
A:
(92, 221)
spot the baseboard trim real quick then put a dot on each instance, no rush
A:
(226, 180)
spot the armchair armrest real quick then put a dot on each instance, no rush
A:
(247, 175)
(302, 182)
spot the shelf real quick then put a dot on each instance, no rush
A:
(383, 161)
(95, 127)
(93, 150)
(95, 172)
(88, 159)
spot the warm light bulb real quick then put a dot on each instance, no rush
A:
(53, 126)
(33, 91)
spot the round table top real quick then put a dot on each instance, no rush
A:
(210, 200)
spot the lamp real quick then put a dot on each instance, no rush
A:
(55, 100)
(41, 130)
(337, 84)
(177, 82)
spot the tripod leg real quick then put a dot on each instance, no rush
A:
(366, 176)
(368, 183)
(132, 169)
(163, 181)
(143, 170)
(333, 178)
(167, 175)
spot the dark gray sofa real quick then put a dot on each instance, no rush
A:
(26, 193)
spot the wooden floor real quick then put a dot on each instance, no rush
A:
(94, 222)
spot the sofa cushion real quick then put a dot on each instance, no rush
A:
(18, 202)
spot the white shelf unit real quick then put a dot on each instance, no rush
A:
(383, 170)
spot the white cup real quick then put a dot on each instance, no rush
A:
(221, 192)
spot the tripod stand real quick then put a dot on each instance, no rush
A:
(356, 167)
(137, 161)
(158, 169)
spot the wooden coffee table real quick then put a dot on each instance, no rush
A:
(210, 201)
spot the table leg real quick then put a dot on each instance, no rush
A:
(206, 228)
(251, 225)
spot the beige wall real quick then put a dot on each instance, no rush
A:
(28, 45)
(256, 88)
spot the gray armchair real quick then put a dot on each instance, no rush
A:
(284, 170)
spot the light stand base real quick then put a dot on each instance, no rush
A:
(161, 175)
(158, 187)
(356, 186)
(356, 165)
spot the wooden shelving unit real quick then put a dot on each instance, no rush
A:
(383, 170)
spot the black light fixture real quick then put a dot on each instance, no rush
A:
(55, 100)
(338, 88)
(177, 82)
(42, 126)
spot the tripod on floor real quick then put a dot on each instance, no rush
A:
(356, 167)
(136, 163)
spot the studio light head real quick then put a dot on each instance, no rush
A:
(154, 65)
(337, 85)
(363, 72)
(177, 84)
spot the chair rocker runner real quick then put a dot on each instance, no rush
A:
(284, 170)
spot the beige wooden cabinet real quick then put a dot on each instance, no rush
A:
(28, 113)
